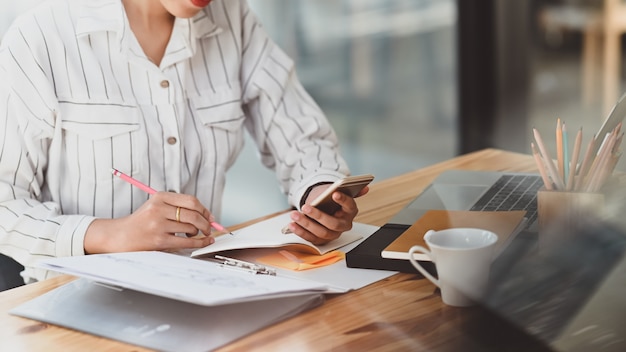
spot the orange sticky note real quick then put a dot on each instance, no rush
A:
(298, 261)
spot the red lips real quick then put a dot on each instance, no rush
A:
(201, 3)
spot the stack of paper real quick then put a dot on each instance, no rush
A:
(181, 278)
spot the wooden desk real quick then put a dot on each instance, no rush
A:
(404, 312)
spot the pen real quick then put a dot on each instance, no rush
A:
(151, 191)
(236, 264)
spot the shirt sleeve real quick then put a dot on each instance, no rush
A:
(30, 227)
(293, 135)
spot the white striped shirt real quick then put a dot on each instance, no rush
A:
(78, 97)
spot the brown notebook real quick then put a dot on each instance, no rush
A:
(505, 224)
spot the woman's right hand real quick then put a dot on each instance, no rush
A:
(153, 227)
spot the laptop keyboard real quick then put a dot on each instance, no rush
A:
(512, 192)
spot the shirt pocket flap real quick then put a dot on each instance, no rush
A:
(98, 121)
(220, 109)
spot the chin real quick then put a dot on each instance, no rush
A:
(186, 13)
(186, 9)
(201, 3)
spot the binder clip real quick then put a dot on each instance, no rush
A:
(236, 264)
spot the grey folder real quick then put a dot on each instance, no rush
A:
(155, 322)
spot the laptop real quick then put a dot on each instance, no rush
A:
(467, 190)
(486, 190)
(476, 190)
(570, 296)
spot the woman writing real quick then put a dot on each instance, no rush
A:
(161, 90)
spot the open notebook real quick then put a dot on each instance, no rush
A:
(268, 234)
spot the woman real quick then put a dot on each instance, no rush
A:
(160, 90)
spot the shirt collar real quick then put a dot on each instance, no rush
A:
(109, 15)
(203, 25)
(100, 16)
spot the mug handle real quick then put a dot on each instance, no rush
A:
(418, 266)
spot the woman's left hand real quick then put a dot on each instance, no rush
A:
(318, 227)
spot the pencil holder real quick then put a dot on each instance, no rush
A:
(561, 213)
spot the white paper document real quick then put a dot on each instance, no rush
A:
(181, 278)
(203, 282)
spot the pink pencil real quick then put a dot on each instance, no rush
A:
(552, 170)
(542, 169)
(151, 191)
(133, 181)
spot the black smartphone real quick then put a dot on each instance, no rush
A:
(350, 185)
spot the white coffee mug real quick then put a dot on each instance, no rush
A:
(463, 258)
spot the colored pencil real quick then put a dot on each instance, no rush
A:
(542, 168)
(559, 149)
(574, 162)
(151, 191)
(552, 171)
(584, 167)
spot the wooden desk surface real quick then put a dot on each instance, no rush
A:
(404, 312)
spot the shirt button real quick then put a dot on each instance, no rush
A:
(171, 140)
(165, 83)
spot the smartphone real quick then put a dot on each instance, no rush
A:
(350, 185)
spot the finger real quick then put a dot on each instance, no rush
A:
(172, 227)
(192, 217)
(184, 201)
(308, 235)
(338, 223)
(311, 229)
(363, 192)
(168, 242)
(347, 203)
(176, 221)
(164, 205)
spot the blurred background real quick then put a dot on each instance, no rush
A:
(408, 83)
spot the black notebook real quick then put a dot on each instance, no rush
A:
(367, 255)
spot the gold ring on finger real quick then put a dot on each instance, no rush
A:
(177, 214)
